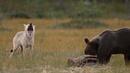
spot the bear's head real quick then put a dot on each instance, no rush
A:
(92, 46)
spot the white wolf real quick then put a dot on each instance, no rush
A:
(24, 39)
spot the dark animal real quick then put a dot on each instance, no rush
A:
(108, 43)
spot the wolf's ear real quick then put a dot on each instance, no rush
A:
(24, 25)
(34, 27)
(86, 40)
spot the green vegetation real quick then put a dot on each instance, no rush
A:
(64, 8)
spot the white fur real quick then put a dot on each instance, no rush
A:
(23, 40)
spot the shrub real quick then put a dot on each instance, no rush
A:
(19, 15)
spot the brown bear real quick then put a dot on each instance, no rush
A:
(110, 42)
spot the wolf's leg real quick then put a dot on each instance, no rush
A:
(15, 47)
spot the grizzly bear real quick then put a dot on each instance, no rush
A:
(110, 42)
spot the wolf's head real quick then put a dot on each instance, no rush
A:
(29, 29)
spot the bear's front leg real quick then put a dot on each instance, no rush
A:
(127, 59)
(103, 58)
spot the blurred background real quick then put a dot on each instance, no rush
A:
(64, 8)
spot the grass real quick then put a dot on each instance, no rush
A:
(54, 46)
(80, 24)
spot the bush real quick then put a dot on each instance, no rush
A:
(62, 9)
(87, 11)
(19, 15)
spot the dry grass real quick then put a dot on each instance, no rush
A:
(53, 47)
(116, 23)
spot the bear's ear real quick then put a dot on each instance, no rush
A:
(86, 40)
